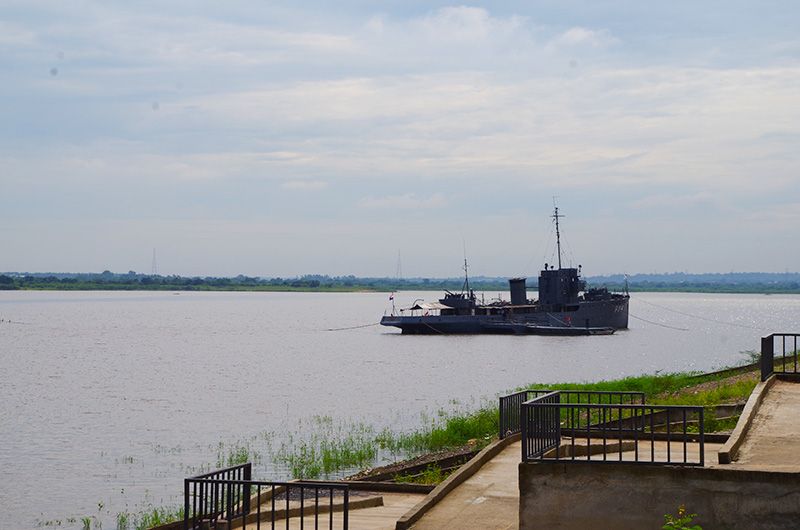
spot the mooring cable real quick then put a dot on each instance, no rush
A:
(354, 327)
(657, 323)
(699, 317)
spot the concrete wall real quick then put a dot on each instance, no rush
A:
(622, 496)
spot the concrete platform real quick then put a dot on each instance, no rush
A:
(490, 498)
(487, 500)
(772, 443)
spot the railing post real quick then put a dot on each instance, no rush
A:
(228, 510)
(558, 423)
(186, 504)
(702, 437)
(346, 510)
(247, 476)
(502, 418)
(523, 428)
(767, 357)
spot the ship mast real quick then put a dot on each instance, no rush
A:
(466, 269)
(556, 216)
(466, 276)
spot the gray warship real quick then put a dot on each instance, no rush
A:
(565, 306)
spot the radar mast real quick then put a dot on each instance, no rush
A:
(556, 217)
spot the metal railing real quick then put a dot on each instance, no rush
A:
(787, 362)
(510, 405)
(540, 424)
(555, 431)
(228, 497)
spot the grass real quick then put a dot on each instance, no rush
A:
(149, 517)
(321, 447)
(651, 385)
(329, 448)
(675, 389)
(332, 449)
(236, 453)
(433, 475)
(156, 516)
(450, 430)
(734, 392)
(714, 425)
(665, 389)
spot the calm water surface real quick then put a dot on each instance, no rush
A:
(108, 400)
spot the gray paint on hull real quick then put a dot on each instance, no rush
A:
(598, 314)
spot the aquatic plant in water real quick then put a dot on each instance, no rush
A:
(329, 448)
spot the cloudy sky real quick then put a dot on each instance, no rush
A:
(277, 139)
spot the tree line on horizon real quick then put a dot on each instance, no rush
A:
(743, 282)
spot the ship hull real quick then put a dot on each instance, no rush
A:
(590, 318)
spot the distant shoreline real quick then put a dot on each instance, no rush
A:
(726, 289)
(735, 283)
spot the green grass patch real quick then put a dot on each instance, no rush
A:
(666, 384)
(156, 516)
(712, 424)
(433, 475)
(321, 447)
(236, 453)
(328, 449)
(651, 385)
(447, 431)
(733, 392)
(149, 517)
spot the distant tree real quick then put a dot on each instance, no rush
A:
(6, 283)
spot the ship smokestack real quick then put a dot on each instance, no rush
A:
(519, 292)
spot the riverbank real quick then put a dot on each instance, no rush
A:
(451, 442)
(108, 281)
(375, 289)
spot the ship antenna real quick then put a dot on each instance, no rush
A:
(556, 216)
(466, 270)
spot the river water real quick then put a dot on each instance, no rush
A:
(108, 400)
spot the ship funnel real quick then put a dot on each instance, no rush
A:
(519, 293)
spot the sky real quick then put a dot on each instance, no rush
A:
(289, 138)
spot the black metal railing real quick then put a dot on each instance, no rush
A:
(228, 497)
(786, 363)
(510, 405)
(555, 431)
(540, 425)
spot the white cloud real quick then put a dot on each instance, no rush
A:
(12, 35)
(305, 185)
(282, 99)
(466, 24)
(675, 201)
(407, 201)
(579, 36)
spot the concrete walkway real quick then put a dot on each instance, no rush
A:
(772, 443)
(487, 500)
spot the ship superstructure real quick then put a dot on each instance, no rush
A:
(564, 307)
